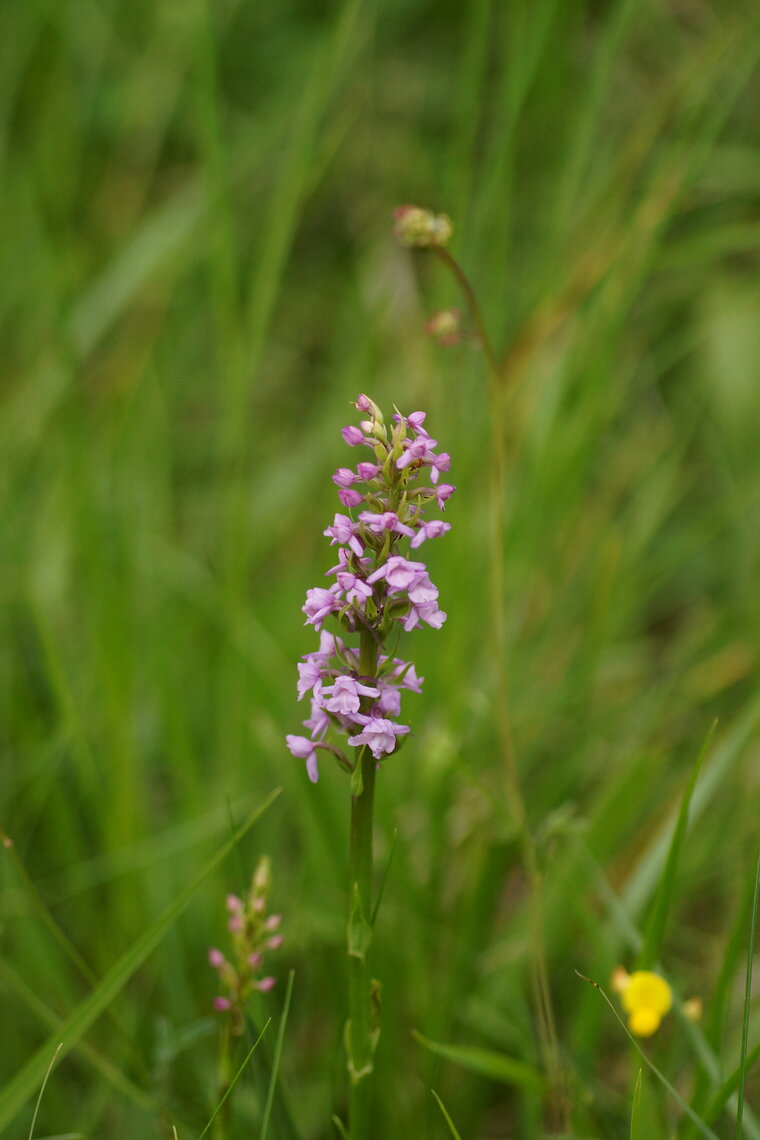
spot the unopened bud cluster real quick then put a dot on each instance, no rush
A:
(376, 588)
(253, 932)
(445, 327)
(421, 228)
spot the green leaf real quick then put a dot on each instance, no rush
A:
(658, 916)
(21, 1087)
(636, 1109)
(485, 1062)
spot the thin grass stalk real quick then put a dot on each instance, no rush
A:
(498, 376)
(747, 1002)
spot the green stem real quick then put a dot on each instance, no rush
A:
(361, 1035)
(224, 1074)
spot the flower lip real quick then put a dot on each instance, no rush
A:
(379, 734)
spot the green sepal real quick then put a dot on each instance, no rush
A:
(357, 780)
(359, 930)
(359, 1072)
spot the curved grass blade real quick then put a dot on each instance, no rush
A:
(729, 1086)
(42, 1090)
(121, 1083)
(485, 1062)
(703, 1128)
(60, 936)
(642, 884)
(446, 1117)
(235, 1079)
(21, 1087)
(658, 915)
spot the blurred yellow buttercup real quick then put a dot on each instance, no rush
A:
(646, 998)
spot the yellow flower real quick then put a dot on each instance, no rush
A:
(646, 999)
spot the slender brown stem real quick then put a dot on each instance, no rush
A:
(498, 385)
(472, 304)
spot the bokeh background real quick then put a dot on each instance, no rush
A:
(197, 274)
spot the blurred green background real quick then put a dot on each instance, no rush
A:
(198, 275)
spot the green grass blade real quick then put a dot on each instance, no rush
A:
(747, 1001)
(446, 1117)
(21, 1087)
(636, 1108)
(52, 1021)
(581, 142)
(643, 883)
(485, 1062)
(658, 916)
(235, 1079)
(341, 1128)
(729, 1086)
(277, 1058)
(732, 952)
(41, 1092)
(65, 1136)
(280, 225)
(687, 1109)
(468, 108)
(43, 912)
(60, 936)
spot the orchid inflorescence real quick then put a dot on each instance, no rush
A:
(253, 932)
(376, 588)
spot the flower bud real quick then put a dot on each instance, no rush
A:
(420, 228)
(444, 327)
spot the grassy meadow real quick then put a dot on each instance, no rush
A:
(198, 275)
